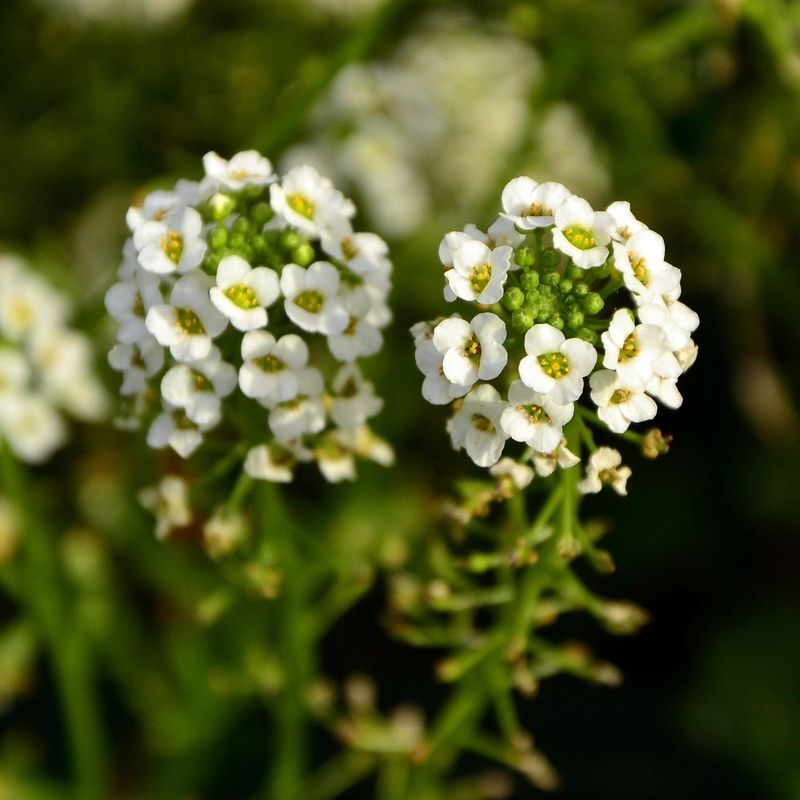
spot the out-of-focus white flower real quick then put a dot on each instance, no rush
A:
(173, 428)
(304, 413)
(275, 461)
(354, 400)
(169, 501)
(520, 475)
(32, 426)
(545, 463)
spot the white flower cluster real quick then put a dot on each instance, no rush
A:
(589, 299)
(245, 301)
(45, 366)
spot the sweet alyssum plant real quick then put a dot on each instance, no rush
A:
(245, 303)
(568, 326)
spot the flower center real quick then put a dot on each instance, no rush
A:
(182, 422)
(483, 423)
(580, 237)
(310, 300)
(350, 389)
(200, 382)
(349, 249)
(189, 322)
(172, 245)
(556, 365)
(629, 349)
(535, 414)
(607, 475)
(640, 270)
(269, 363)
(620, 396)
(138, 306)
(301, 205)
(242, 296)
(472, 349)
(479, 277)
(535, 210)
(351, 328)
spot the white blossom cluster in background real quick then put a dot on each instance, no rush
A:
(245, 303)
(128, 12)
(46, 368)
(565, 310)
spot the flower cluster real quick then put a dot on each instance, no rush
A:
(45, 365)
(569, 299)
(246, 301)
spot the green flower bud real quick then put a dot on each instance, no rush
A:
(580, 289)
(220, 206)
(525, 257)
(290, 240)
(588, 335)
(258, 243)
(575, 320)
(532, 298)
(211, 263)
(557, 321)
(303, 254)
(237, 241)
(513, 298)
(522, 320)
(217, 237)
(574, 272)
(261, 213)
(246, 251)
(565, 286)
(602, 272)
(242, 225)
(551, 279)
(529, 281)
(593, 303)
(551, 258)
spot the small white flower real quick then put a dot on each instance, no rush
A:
(156, 206)
(361, 338)
(173, 428)
(275, 461)
(189, 322)
(311, 298)
(169, 501)
(365, 443)
(675, 319)
(243, 294)
(665, 390)
(224, 531)
(471, 350)
(15, 372)
(618, 404)
(198, 388)
(32, 426)
(520, 475)
(28, 304)
(503, 232)
(436, 388)
(173, 244)
(128, 303)
(632, 350)
(556, 366)
(478, 273)
(545, 463)
(641, 262)
(335, 459)
(304, 413)
(534, 418)
(581, 233)
(137, 362)
(452, 241)
(530, 205)
(366, 254)
(476, 427)
(248, 168)
(604, 469)
(354, 400)
(686, 356)
(310, 203)
(626, 225)
(270, 369)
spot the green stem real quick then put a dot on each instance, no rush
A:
(295, 647)
(46, 595)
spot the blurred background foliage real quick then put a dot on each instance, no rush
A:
(422, 110)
